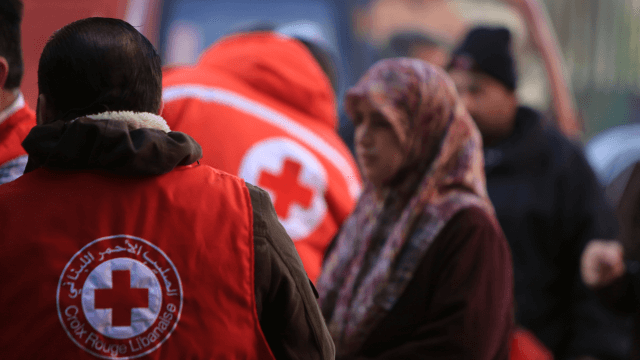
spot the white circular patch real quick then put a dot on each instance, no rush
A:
(140, 277)
(119, 297)
(295, 180)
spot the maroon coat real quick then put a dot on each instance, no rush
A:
(449, 310)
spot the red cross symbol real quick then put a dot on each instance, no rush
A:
(287, 188)
(121, 298)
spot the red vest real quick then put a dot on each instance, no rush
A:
(13, 130)
(158, 267)
(262, 109)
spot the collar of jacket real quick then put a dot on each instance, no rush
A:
(123, 143)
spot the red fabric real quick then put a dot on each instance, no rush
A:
(525, 346)
(199, 217)
(278, 74)
(12, 131)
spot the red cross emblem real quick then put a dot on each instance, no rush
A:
(121, 298)
(296, 180)
(129, 316)
(287, 188)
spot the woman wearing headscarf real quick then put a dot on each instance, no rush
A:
(421, 269)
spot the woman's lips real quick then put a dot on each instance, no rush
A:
(368, 158)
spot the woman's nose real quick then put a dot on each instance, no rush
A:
(365, 136)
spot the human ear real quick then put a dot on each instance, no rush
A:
(44, 111)
(4, 71)
(161, 107)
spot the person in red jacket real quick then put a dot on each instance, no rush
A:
(262, 108)
(16, 118)
(116, 243)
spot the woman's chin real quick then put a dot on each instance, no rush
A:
(375, 178)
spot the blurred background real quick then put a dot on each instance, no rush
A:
(599, 39)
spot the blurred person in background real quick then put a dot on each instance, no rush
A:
(127, 247)
(547, 200)
(610, 272)
(612, 267)
(432, 45)
(16, 118)
(615, 280)
(262, 107)
(421, 268)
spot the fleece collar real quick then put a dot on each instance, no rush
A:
(134, 120)
(124, 143)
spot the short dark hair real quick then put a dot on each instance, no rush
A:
(10, 48)
(99, 64)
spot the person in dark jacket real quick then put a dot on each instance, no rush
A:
(612, 267)
(547, 200)
(117, 243)
(615, 281)
(421, 268)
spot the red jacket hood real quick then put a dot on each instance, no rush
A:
(277, 66)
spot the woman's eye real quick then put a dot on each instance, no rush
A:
(379, 120)
(382, 124)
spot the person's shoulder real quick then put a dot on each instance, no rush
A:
(22, 183)
(260, 201)
(25, 192)
(472, 233)
(209, 180)
(267, 227)
(204, 172)
(565, 154)
(471, 225)
(13, 169)
(473, 217)
(569, 157)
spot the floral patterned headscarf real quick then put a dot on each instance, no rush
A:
(382, 243)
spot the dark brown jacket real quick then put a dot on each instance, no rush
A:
(286, 299)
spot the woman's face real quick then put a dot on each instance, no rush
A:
(377, 147)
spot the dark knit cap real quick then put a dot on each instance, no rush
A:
(487, 50)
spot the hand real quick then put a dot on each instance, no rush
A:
(602, 262)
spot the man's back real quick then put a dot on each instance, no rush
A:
(159, 266)
(131, 266)
(262, 109)
(115, 244)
